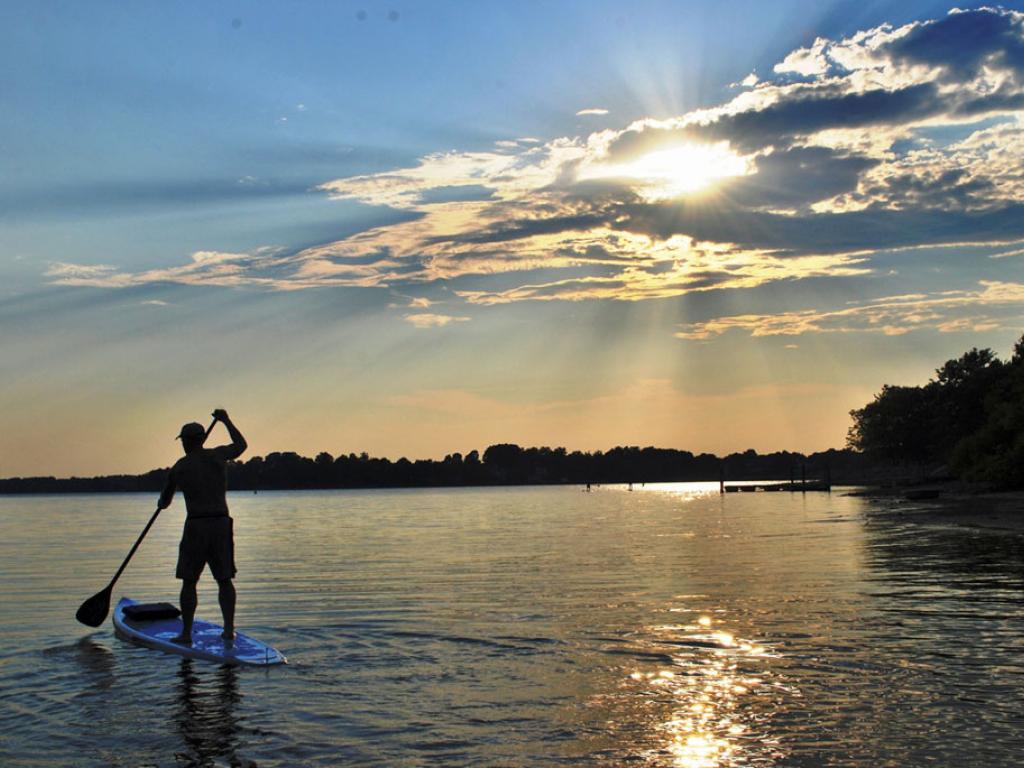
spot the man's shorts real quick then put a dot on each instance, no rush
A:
(207, 540)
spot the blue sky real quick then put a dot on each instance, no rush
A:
(416, 228)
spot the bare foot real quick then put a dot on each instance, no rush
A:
(229, 636)
(182, 639)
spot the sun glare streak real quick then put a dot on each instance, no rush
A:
(707, 688)
(680, 170)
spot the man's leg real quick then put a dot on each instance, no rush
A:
(189, 599)
(226, 596)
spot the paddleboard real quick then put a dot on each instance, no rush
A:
(207, 643)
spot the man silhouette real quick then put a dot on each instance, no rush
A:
(201, 474)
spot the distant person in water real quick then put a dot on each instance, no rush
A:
(201, 474)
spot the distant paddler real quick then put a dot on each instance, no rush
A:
(208, 537)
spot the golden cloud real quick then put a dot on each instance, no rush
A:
(892, 316)
(804, 175)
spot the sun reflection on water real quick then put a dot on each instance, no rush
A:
(706, 686)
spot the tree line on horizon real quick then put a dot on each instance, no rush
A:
(967, 421)
(501, 464)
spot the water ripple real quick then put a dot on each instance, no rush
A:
(538, 626)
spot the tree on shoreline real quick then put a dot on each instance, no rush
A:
(501, 464)
(968, 419)
(995, 453)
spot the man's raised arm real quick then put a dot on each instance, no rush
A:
(238, 444)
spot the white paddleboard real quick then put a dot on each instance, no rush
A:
(207, 642)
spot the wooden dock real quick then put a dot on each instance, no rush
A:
(798, 486)
(821, 483)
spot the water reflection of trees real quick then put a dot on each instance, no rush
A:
(950, 555)
(207, 718)
(942, 627)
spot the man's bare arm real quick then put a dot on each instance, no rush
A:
(167, 495)
(238, 443)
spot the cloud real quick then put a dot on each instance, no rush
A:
(1008, 254)
(592, 111)
(747, 82)
(806, 61)
(896, 137)
(269, 268)
(63, 271)
(1002, 305)
(674, 267)
(964, 44)
(428, 320)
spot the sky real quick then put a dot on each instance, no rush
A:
(415, 228)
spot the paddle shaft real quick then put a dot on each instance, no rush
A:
(138, 541)
(145, 530)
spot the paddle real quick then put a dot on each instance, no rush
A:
(94, 611)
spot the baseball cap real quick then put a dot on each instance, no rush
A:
(192, 429)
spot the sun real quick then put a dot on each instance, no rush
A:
(675, 171)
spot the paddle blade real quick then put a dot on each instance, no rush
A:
(94, 610)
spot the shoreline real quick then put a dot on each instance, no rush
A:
(998, 511)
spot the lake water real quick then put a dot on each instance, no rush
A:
(668, 626)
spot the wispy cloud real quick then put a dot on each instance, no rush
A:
(674, 267)
(429, 320)
(892, 316)
(1008, 254)
(891, 138)
(592, 111)
(64, 272)
(262, 267)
